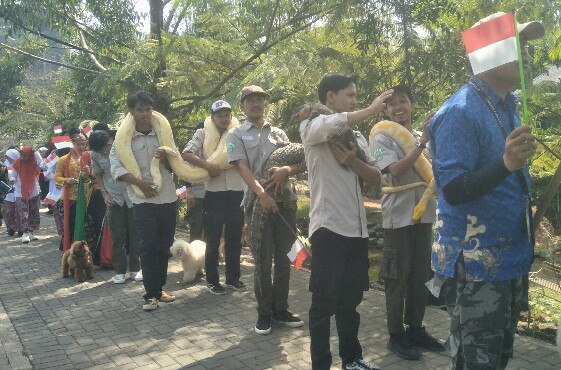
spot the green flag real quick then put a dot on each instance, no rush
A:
(80, 225)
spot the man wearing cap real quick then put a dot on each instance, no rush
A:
(407, 244)
(224, 193)
(483, 243)
(249, 146)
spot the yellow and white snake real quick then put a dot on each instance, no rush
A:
(182, 169)
(422, 166)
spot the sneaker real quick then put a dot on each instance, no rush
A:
(358, 364)
(119, 279)
(25, 238)
(287, 319)
(420, 338)
(32, 236)
(136, 276)
(238, 286)
(263, 326)
(403, 347)
(150, 305)
(215, 289)
(166, 297)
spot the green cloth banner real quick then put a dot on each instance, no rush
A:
(80, 225)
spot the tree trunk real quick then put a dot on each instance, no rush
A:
(156, 28)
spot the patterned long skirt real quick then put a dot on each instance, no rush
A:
(27, 214)
(9, 212)
(59, 222)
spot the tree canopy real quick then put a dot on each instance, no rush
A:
(66, 61)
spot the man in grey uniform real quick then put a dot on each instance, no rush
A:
(154, 215)
(249, 146)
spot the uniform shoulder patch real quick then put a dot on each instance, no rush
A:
(113, 148)
(378, 154)
(230, 147)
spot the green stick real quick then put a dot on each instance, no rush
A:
(521, 68)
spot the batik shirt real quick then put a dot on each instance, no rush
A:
(491, 231)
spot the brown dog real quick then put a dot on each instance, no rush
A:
(78, 261)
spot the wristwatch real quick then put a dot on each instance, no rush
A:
(419, 144)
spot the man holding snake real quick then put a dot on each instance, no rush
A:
(338, 231)
(405, 264)
(155, 213)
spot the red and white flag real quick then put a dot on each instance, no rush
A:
(53, 196)
(87, 130)
(491, 43)
(52, 159)
(62, 142)
(58, 129)
(181, 192)
(298, 254)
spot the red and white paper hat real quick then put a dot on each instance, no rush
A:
(491, 42)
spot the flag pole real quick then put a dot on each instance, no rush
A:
(521, 69)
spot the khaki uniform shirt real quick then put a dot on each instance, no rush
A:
(256, 145)
(397, 208)
(336, 198)
(229, 179)
(143, 148)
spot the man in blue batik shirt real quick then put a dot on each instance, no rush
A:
(483, 240)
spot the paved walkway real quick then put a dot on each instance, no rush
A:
(47, 322)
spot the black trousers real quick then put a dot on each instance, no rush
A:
(156, 227)
(222, 209)
(339, 278)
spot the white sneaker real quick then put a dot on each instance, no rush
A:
(32, 236)
(119, 279)
(136, 275)
(25, 238)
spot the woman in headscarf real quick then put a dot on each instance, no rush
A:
(9, 205)
(66, 175)
(26, 190)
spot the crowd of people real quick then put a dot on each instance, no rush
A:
(479, 153)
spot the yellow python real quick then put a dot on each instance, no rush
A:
(182, 169)
(422, 166)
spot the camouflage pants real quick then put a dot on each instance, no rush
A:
(484, 317)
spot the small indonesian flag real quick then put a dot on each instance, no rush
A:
(58, 129)
(53, 196)
(87, 130)
(491, 44)
(62, 142)
(298, 254)
(181, 192)
(52, 159)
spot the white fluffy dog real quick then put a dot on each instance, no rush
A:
(192, 257)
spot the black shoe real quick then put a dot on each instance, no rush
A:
(20, 233)
(403, 347)
(10, 232)
(238, 286)
(263, 326)
(287, 319)
(215, 289)
(358, 364)
(420, 338)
